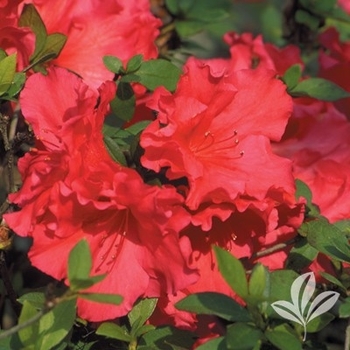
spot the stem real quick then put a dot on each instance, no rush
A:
(25, 324)
(8, 285)
(305, 332)
(273, 249)
(132, 345)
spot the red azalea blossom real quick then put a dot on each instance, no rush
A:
(216, 132)
(72, 189)
(334, 64)
(317, 141)
(94, 29)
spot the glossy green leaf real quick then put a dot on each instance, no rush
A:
(173, 6)
(114, 150)
(165, 338)
(216, 343)
(138, 127)
(320, 89)
(144, 329)
(30, 18)
(79, 262)
(292, 76)
(333, 280)
(259, 284)
(212, 303)
(134, 63)
(232, 271)
(301, 255)
(81, 284)
(344, 308)
(242, 336)
(113, 64)
(102, 298)
(36, 299)
(3, 54)
(142, 311)
(112, 330)
(284, 338)
(53, 46)
(56, 324)
(7, 72)
(123, 105)
(327, 238)
(303, 190)
(304, 17)
(318, 323)
(28, 335)
(16, 85)
(154, 73)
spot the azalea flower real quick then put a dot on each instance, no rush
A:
(94, 29)
(317, 141)
(334, 64)
(216, 132)
(72, 189)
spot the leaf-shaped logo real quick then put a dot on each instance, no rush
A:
(301, 292)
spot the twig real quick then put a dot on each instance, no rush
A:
(273, 249)
(25, 324)
(8, 285)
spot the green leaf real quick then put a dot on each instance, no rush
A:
(28, 335)
(114, 150)
(7, 72)
(102, 298)
(173, 6)
(123, 105)
(292, 76)
(333, 280)
(283, 338)
(154, 73)
(56, 324)
(242, 336)
(303, 190)
(30, 18)
(216, 343)
(259, 284)
(318, 323)
(16, 85)
(144, 329)
(327, 238)
(306, 18)
(52, 48)
(301, 255)
(344, 308)
(113, 64)
(138, 127)
(212, 303)
(79, 262)
(165, 338)
(142, 311)
(36, 299)
(3, 54)
(281, 282)
(81, 284)
(134, 64)
(113, 331)
(232, 271)
(320, 89)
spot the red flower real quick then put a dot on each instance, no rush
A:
(12, 38)
(317, 141)
(216, 132)
(94, 29)
(72, 189)
(335, 63)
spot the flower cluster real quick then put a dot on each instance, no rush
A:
(216, 165)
